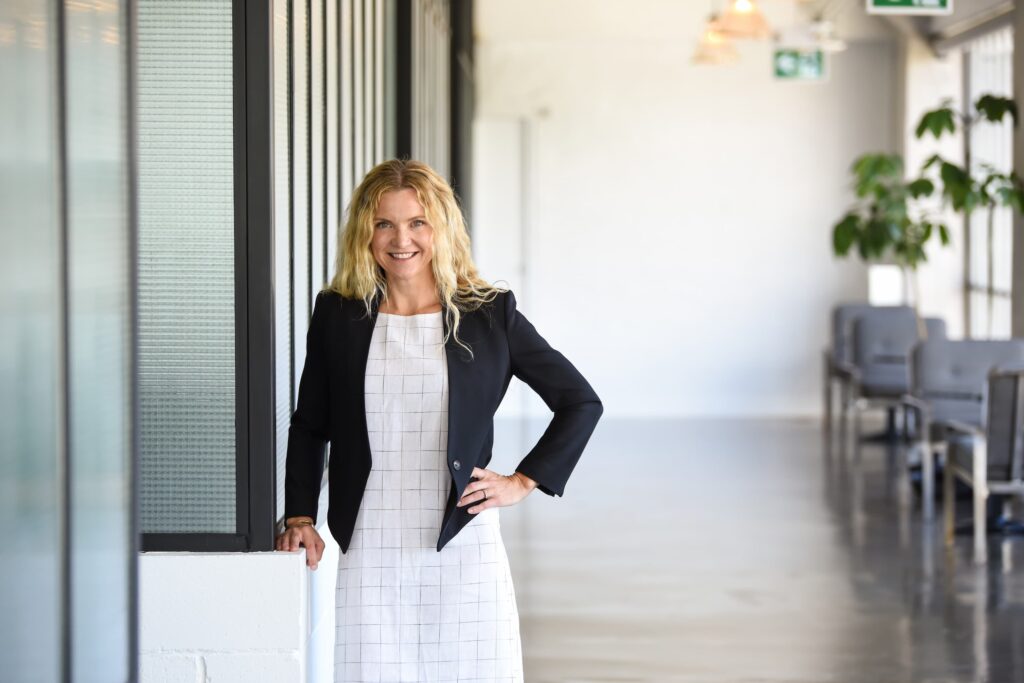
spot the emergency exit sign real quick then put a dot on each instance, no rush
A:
(799, 65)
(910, 6)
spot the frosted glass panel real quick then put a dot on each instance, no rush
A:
(31, 386)
(99, 338)
(186, 266)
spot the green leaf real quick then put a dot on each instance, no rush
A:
(936, 122)
(1012, 197)
(943, 234)
(874, 171)
(845, 233)
(876, 237)
(994, 108)
(958, 186)
(986, 193)
(922, 187)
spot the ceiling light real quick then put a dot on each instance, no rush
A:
(743, 19)
(714, 46)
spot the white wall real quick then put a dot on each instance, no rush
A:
(678, 218)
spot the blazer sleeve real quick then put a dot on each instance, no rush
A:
(308, 432)
(574, 402)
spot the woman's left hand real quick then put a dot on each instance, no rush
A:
(493, 490)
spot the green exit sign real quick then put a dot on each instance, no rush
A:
(910, 6)
(798, 65)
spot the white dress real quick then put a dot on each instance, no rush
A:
(404, 611)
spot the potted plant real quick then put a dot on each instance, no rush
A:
(889, 222)
(886, 222)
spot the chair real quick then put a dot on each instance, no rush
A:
(882, 339)
(838, 358)
(948, 379)
(990, 457)
(935, 328)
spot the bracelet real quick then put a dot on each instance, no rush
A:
(301, 522)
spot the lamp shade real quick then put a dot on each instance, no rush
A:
(714, 46)
(743, 19)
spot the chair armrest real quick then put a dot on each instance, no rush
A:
(915, 402)
(963, 427)
(848, 370)
(1014, 370)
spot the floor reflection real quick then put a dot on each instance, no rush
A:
(733, 551)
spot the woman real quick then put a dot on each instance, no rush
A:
(408, 355)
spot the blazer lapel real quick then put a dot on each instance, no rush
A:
(358, 337)
(458, 374)
(458, 362)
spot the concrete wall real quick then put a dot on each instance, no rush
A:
(674, 220)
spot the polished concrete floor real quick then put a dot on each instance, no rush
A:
(745, 551)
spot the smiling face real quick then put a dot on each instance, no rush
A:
(403, 240)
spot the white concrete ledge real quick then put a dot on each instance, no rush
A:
(242, 617)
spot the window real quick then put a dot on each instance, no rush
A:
(989, 70)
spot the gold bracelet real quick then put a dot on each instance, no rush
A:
(301, 522)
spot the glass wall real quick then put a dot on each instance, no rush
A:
(100, 350)
(68, 568)
(32, 381)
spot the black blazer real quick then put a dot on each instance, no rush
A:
(330, 408)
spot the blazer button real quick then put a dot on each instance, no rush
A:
(456, 464)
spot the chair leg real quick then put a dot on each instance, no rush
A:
(980, 486)
(857, 409)
(948, 501)
(928, 482)
(828, 396)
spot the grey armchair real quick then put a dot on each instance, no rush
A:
(882, 340)
(988, 457)
(838, 358)
(935, 328)
(948, 380)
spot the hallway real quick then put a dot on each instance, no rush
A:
(735, 551)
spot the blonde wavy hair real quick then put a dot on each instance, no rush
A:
(359, 276)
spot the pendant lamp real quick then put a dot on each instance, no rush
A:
(714, 46)
(824, 31)
(743, 19)
(816, 35)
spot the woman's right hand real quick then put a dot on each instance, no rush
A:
(306, 536)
